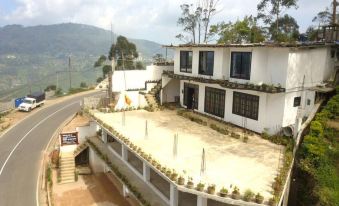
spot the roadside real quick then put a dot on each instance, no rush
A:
(13, 117)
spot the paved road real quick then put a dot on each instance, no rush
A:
(21, 151)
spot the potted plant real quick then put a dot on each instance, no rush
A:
(235, 193)
(163, 170)
(259, 198)
(158, 166)
(272, 201)
(248, 195)
(168, 173)
(200, 186)
(211, 189)
(245, 139)
(181, 180)
(190, 183)
(223, 192)
(174, 176)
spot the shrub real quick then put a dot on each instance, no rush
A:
(245, 139)
(259, 198)
(223, 192)
(235, 193)
(317, 129)
(248, 195)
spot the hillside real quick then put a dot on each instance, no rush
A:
(32, 55)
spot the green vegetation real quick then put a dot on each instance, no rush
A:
(318, 159)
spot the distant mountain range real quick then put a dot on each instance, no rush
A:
(32, 55)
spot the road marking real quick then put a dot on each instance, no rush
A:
(24, 137)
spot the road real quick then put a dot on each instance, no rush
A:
(21, 150)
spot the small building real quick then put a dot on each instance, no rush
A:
(261, 87)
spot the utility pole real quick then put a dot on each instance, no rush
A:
(69, 70)
(334, 15)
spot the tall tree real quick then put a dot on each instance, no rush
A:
(323, 17)
(271, 11)
(195, 21)
(124, 52)
(241, 31)
(288, 30)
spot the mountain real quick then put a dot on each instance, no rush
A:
(32, 55)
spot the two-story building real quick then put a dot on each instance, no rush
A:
(261, 87)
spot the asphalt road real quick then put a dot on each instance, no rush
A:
(21, 150)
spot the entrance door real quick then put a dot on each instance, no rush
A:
(191, 94)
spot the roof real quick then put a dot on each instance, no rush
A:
(263, 44)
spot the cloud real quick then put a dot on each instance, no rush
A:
(147, 19)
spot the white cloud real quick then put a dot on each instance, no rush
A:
(148, 19)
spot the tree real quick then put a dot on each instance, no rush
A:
(288, 29)
(83, 85)
(195, 21)
(312, 33)
(139, 65)
(124, 52)
(323, 17)
(50, 87)
(99, 79)
(271, 10)
(158, 58)
(100, 61)
(106, 69)
(245, 30)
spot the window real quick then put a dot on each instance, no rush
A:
(241, 65)
(215, 101)
(297, 101)
(308, 102)
(186, 61)
(206, 62)
(245, 105)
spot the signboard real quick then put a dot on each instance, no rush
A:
(69, 138)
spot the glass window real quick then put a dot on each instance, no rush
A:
(245, 105)
(297, 101)
(186, 61)
(206, 62)
(241, 65)
(215, 101)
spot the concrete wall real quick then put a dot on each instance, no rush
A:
(135, 79)
(86, 131)
(137, 100)
(270, 65)
(170, 90)
(95, 162)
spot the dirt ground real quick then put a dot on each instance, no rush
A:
(78, 121)
(15, 116)
(89, 190)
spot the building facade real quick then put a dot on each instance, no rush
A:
(258, 87)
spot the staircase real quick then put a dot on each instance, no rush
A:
(152, 98)
(80, 148)
(67, 168)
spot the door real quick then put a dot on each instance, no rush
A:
(191, 94)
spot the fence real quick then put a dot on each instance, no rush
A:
(6, 106)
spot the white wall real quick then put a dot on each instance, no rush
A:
(170, 91)
(315, 64)
(86, 131)
(137, 100)
(95, 162)
(135, 79)
(270, 108)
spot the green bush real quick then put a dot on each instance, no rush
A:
(317, 129)
(248, 195)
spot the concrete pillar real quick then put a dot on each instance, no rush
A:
(201, 201)
(173, 195)
(103, 135)
(146, 172)
(124, 153)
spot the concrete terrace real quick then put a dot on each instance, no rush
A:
(229, 161)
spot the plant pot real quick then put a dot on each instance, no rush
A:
(235, 196)
(168, 173)
(211, 190)
(222, 194)
(190, 185)
(181, 181)
(158, 166)
(200, 188)
(174, 177)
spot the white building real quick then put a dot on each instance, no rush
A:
(262, 87)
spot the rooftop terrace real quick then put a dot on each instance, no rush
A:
(252, 165)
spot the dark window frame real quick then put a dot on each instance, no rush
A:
(186, 66)
(204, 66)
(246, 105)
(215, 101)
(297, 101)
(245, 73)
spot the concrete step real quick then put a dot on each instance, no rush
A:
(72, 179)
(67, 174)
(67, 165)
(83, 170)
(68, 181)
(65, 169)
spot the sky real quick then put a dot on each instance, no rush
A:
(153, 20)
